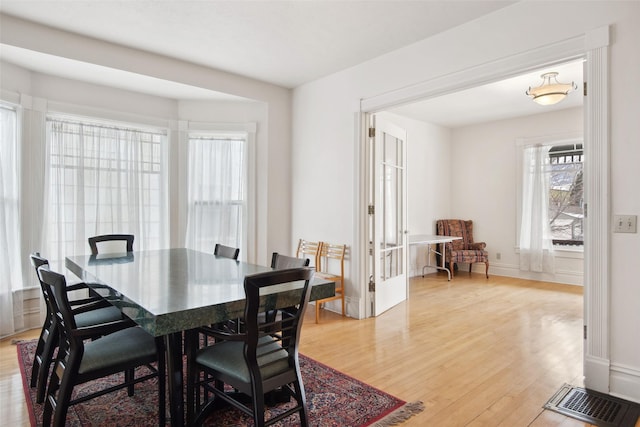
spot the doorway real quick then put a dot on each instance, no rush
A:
(593, 47)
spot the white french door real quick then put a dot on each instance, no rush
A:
(387, 149)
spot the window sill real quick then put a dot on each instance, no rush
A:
(574, 252)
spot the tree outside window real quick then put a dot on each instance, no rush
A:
(566, 194)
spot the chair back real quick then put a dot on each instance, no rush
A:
(307, 248)
(281, 262)
(111, 243)
(288, 325)
(226, 251)
(56, 284)
(37, 261)
(457, 228)
(329, 252)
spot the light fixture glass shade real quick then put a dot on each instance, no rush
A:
(550, 91)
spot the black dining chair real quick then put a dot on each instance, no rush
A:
(108, 239)
(226, 251)
(257, 360)
(120, 348)
(280, 262)
(86, 311)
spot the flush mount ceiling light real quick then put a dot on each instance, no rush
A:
(550, 91)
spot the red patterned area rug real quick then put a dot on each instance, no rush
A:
(333, 398)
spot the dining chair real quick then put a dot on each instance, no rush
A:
(328, 255)
(107, 243)
(226, 251)
(280, 262)
(86, 311)
(120, 348)
(257, 360)
(231, 324)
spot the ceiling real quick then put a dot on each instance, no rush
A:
(500, 100)
(287, 43)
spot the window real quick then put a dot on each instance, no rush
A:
(9, 218)
(565, 194)
(217, 191)
(104, 178)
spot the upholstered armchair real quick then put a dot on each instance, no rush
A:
(463, 250)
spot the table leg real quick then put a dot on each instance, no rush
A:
(429, 265)
(443, 250)
(174, 371)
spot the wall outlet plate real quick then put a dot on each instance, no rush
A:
(625, 223)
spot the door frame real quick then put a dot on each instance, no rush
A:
(593, 47)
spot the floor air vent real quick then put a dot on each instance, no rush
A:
(596, 408)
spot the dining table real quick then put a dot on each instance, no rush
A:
(168, 292)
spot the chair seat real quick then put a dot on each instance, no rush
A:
(469, 255)
(228, 357)
(118, 348)
(97, 316)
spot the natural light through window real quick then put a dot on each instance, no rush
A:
(217, 191)
(104, 179)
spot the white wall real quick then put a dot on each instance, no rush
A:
(323, 122)
(484, 181)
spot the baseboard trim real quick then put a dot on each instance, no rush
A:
(596, 374)
(625, 382)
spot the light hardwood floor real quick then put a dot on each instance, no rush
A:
(477, 352)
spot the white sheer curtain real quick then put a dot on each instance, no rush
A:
(217, 192)
(104, 179)
(10, 267)
(536, 243)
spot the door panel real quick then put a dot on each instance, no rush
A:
(388, 215)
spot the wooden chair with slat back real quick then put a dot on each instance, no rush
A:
(308, 249)
(109, 238)
(327, 253)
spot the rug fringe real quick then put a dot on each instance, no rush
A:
(400, 415)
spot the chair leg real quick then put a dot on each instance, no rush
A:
(45, 362)
(302, 402)
(317, 312)
(129, 375)
(58, 398)
(37, 358)
(258, 409)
